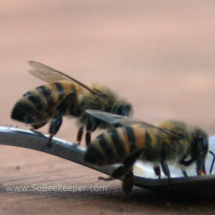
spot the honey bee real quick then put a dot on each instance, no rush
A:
(161, 143)
(63, 95)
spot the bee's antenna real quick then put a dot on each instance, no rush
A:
(212, 164)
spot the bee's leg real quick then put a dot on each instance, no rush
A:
(91, 126)
(165, 169)
(58, 116)
(202, 149)
(164, 165)
(117, 174)
(200, 160)
(182, 169)
(200, 167)
(55, 126)
(212, 164)
(186, 163)
(157, 171)
(184, 173)
(125, 167)
(80, 134)
(125, 170)
(127, 183)
(107, 179)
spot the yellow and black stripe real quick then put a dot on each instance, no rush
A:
(115, 145)
(41, 102)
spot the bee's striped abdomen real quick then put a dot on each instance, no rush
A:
(115, 145)
(54, 93)
(39, 104)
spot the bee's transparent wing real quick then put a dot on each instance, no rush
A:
(50, 75)
(46, 73)
(124, 120)
(108, 117)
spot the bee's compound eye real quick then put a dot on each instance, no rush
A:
(120, 109)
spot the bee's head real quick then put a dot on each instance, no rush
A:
(201, 139)
(123, 109)
(199, 148)
(25, 111)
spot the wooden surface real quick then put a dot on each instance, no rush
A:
(159, 55)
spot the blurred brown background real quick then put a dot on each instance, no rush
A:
(157, 54)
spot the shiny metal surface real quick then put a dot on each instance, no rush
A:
(144, 175)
